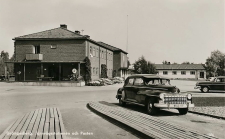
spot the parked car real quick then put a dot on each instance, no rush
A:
(154, 92)
(217, 84)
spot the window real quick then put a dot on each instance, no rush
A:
(93, 51)
(183, 72)
(156, 81)
(96, 71)
(37, 49)
(138, 81)
(90, 50)
(192, 72)
(174, 72)
(93, 71)
(130, 81)
(165, 72)
(53, 46)
(97, 52)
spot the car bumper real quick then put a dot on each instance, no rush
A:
(168, 106)
(197, 87)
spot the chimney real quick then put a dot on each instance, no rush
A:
(87, 36)
(76, 31)
(63, 26)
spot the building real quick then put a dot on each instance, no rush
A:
(58, 53)
(181, 71)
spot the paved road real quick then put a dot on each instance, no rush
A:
(16, 100)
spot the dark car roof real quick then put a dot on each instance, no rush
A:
(220, 77)
(148, 76)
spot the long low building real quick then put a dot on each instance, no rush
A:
(181, 71)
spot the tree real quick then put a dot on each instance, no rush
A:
(141, 66)
(186, 62)
(87, 77)
(128, 63)
(165, 62)
(215, 64)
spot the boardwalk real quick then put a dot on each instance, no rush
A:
(44, 123)
(146, 124)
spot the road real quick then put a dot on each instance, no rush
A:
(17, 100)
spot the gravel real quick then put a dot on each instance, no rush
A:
(211, 111)
(212, 106)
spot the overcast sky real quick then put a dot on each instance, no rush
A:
(172, 30)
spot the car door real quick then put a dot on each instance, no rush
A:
(128, 88)
(138, 86)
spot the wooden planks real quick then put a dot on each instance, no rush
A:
(147, 124)
(44, 123)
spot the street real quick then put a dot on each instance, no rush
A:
(16, 100)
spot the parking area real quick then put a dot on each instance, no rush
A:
(16, 100)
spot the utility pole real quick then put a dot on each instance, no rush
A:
(127, 35)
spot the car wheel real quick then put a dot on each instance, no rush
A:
(183, 111)
(151, 109)
(205, 89)
(122, 103)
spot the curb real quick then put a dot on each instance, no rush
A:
(209, 115)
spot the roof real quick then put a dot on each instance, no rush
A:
(179, 67)
(64, 33)
(52, 33)
(111, 47)
(149, 76)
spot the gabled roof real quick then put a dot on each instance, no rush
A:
(63, 33)
(52, 33)
(111, 47)
(179, 67)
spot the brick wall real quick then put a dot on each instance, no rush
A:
(66, 50)
(98, 57)
(116, 62)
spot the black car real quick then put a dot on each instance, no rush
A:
(154, 92)
(217, 84)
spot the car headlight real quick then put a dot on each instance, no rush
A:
(161, 96)
(189, 96)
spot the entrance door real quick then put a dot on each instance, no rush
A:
(54, 72)
(201, 74)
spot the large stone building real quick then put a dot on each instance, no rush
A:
(181, 71)
(54, 53)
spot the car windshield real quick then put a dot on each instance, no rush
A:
(149, 81)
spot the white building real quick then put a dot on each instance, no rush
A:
(181, 71)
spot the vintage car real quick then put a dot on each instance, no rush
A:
(154, 92)
(217, 84)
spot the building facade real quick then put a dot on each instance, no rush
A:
(59, 53)
(181, 71)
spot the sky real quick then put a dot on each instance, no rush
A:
(171, 30)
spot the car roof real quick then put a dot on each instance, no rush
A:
(149, 76)
(221, 77)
